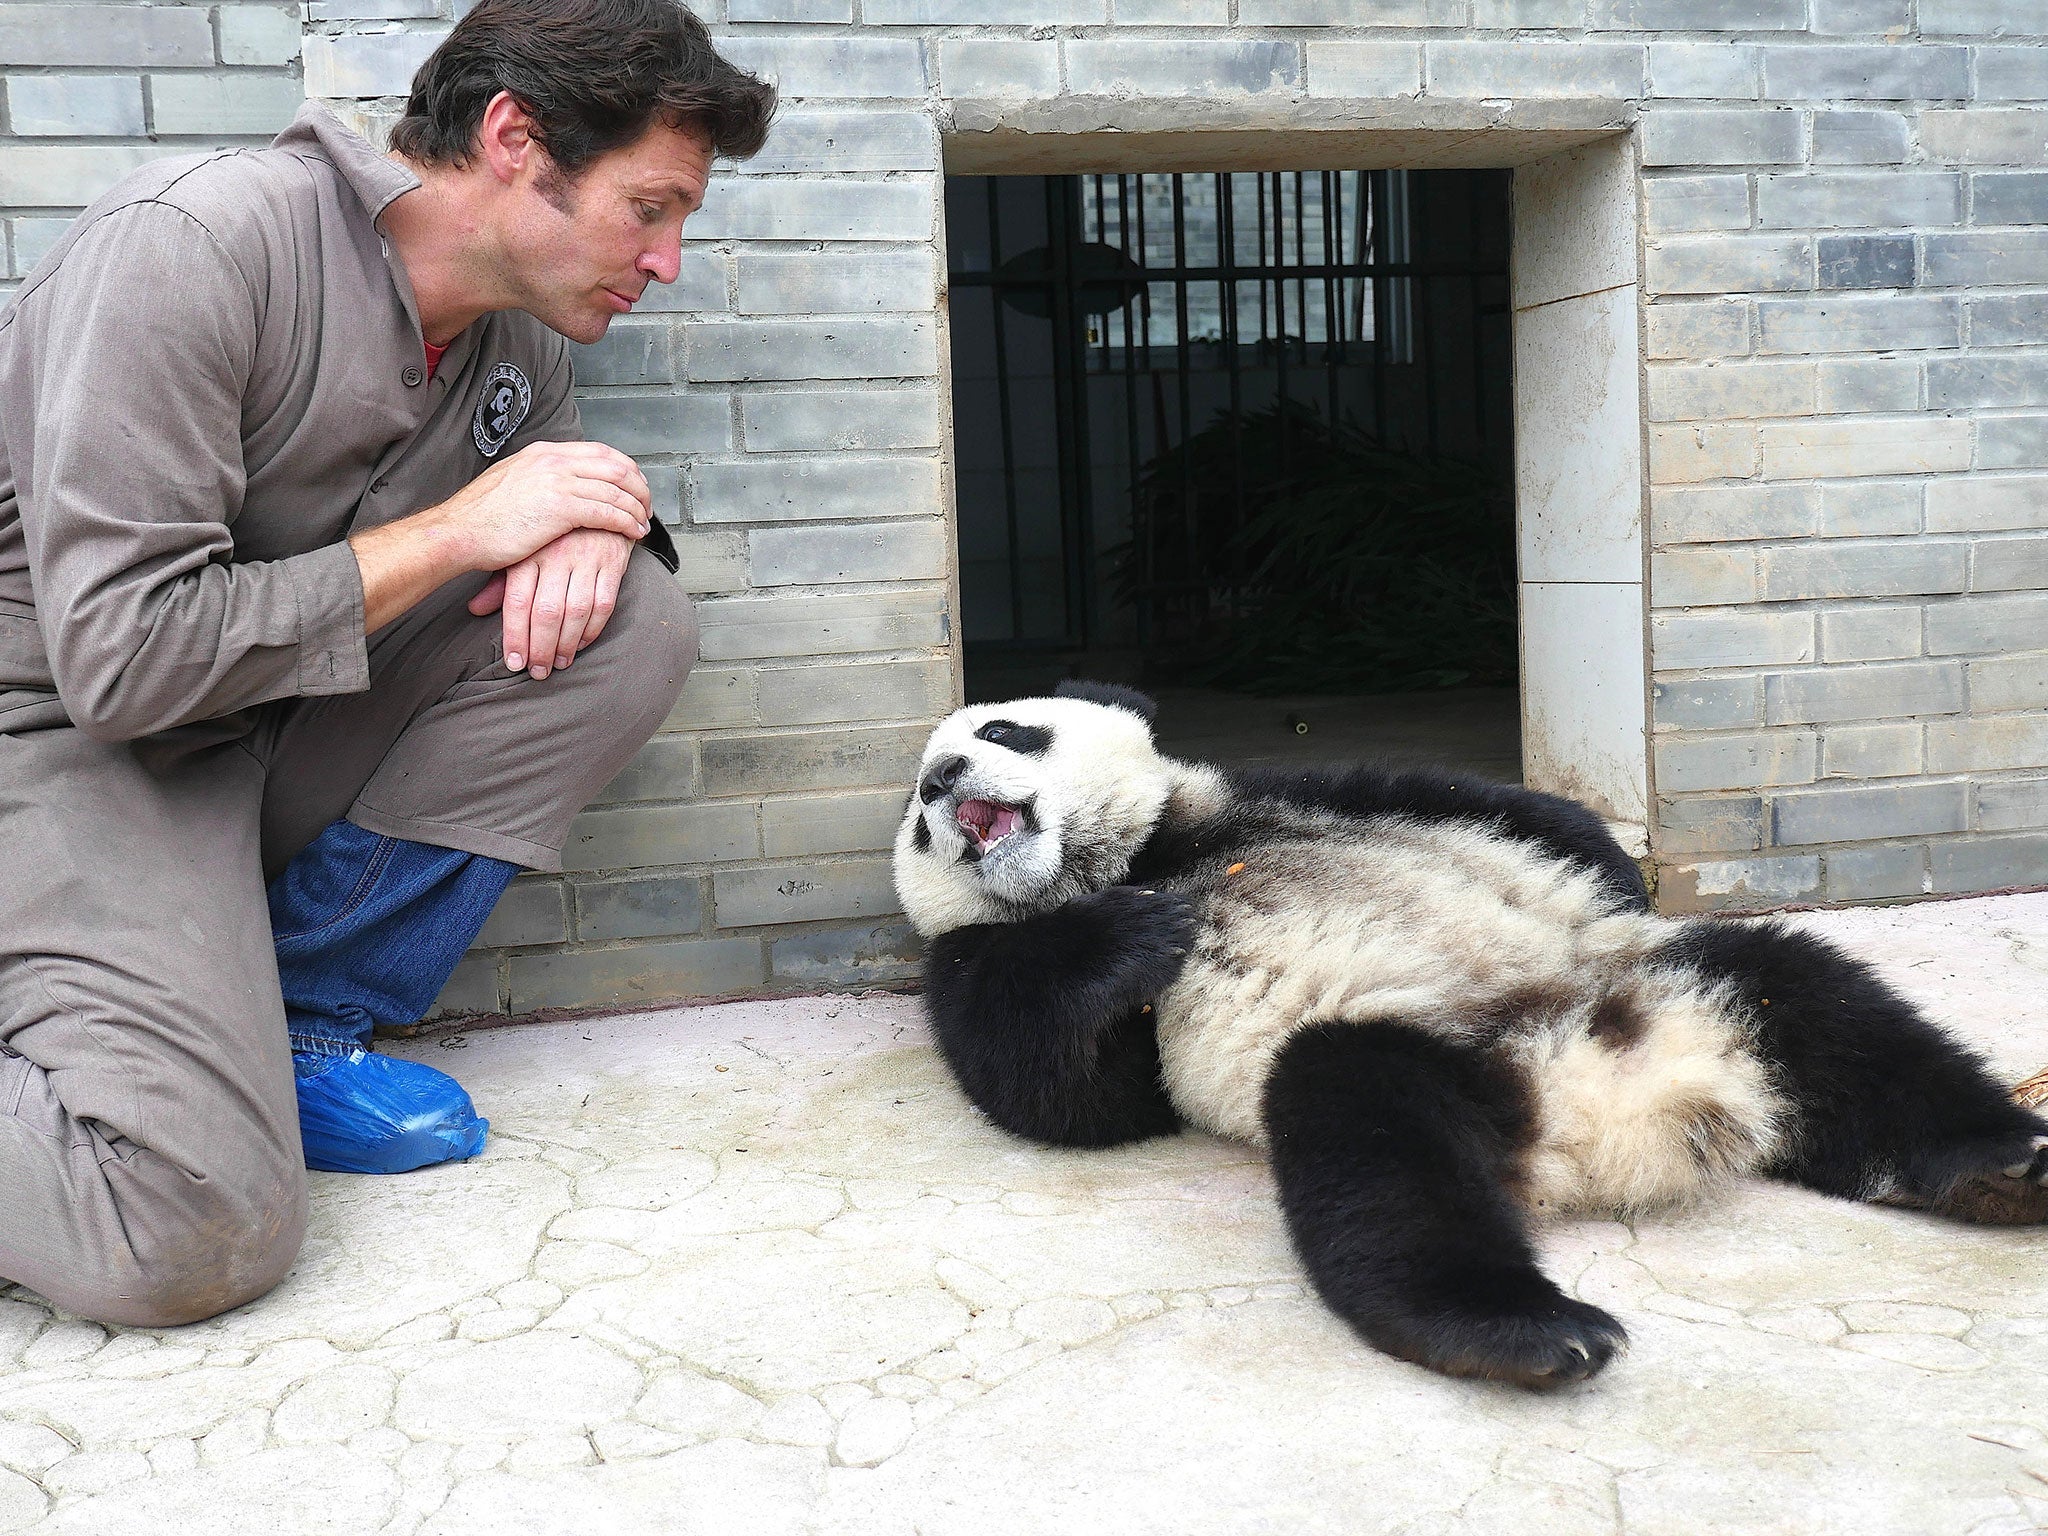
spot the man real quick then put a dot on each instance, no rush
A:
(316, 623)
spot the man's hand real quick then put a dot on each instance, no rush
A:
(558, 599)
(500, 518)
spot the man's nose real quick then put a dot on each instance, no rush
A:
(664, 261)
(940, 777)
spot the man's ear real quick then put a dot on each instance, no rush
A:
(504, 139)
(1144, 706)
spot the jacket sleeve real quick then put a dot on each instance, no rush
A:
(141, 345)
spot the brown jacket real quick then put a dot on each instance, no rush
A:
(215, 375)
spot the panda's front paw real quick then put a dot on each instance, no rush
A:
(1149, 929)
(2003, 1184)
(1541, 1347)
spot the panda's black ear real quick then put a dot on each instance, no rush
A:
(1144, 706)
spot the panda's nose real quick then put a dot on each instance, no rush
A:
(940, 777)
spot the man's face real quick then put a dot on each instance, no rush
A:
(585, 249)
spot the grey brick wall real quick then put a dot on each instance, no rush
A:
(1843, 290)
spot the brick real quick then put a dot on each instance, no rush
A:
(700, 285)
(893, 690)
(259, 34)
(664, 769)
(959, 13)
(2006, 804)
(1860, 138)
(109, 36)
(1861, 18)
(1682, 642)
(791, 420)
(1677, 204)
(367, 63)
(794, 490)
(1887, 751)
(2007, 442)
(1864, 261)
(530, 912)
(861, 552)
(803, 893)
(1859, 199)
(1869, 384)
(651, 422)
(2009, 197)
(747, 208)
(1700, 15)
(1729, 264)
(2009, 565)
(1968, 383)
(2008, 320)
(1870, 634)
(711, 562)
(1738, 885)
(103, 106)
(1863, 568)
(371, 10)
(1688, 578)
(1895, 323)
(1872, 874)
(1985, 505)
(69, 175)
(472, 989)
(1874, 692)
(1990, 863)
(1183, 69)
(714, 697)
(1895, 72)
(799, 825)
(628, 837)
(33, 239)
(1870, 508)
(1714, 824)
(1738, 390)
(1514, 15)
(810, 283)
(846, 68)
(1707, 703)
(991, 68)
(1712, 71)
(2012, 74)
(838, 759)
(741, 628)
(846, 957)
(1371, 70)
(866, 139)
(656, 907)
(1990, 258)
(1985, 136)
(1681, 455)
(1981, 624)
(250, 106)
(1345, 13)
(1170, 13)
(1865, 446)
(1713, 514)
(1850, 815)
(865, 349)
(1722, 136)
(1998, 741)
(1986, 18)
(639, 973)
(1750, 761)
(813, 11)
(2009, 682)
(630, 353)
(1696, 331)
(1525, 69)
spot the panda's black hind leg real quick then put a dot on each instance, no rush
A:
(1394, 1153)
(1886, 1105)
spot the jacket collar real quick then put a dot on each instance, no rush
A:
(375, 179)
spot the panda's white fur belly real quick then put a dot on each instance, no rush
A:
(1639, 1077)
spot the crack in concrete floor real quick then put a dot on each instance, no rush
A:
(758, 1267)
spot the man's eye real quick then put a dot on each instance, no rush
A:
(649, 212)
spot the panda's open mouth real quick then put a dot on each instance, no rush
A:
(988, 823)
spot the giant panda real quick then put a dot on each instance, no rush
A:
(1443, 1007)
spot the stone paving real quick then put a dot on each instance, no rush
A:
(759, 1269)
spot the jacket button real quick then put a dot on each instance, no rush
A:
(412, 377)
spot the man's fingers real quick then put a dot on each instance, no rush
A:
(492, 595)
(576, 616)
(550, 602)
(518, 600)
(605, 598)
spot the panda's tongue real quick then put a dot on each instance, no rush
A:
(989, 822)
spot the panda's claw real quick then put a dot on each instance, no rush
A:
(2035, 1167)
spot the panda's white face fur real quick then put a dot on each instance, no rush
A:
(1020, 807)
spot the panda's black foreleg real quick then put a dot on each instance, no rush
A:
(1047, 1024)
(1394, 1153)
(1887, 1106)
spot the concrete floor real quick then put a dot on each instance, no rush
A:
(758, 1268)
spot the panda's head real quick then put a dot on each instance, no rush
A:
(1021, 807)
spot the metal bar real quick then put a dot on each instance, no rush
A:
(1123, 222)
(1016, 571)
(1280, 318)
(1226, 224)
(1376, 197)
(1182, 372)
(1070, 403)
(1330, 293)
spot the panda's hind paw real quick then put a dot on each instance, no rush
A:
(1540, 1348)
(2004, 1185)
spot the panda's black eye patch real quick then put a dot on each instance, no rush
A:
(1028, 739)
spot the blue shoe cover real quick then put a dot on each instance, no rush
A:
(366, 1113)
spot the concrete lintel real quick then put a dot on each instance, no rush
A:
(1077, 134)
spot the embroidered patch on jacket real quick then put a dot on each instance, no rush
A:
(500, 408)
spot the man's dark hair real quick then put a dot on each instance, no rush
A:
(592, 74)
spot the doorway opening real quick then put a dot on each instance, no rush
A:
(1244, 439)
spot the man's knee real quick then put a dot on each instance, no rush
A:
(652, 637)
